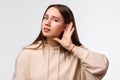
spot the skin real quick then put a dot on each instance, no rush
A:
(53, 25)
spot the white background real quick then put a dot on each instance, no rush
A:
(98, 23)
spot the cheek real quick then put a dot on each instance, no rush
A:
(59, 29)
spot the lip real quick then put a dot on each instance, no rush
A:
(46, 29)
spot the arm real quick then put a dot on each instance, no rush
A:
(93, 64)
(21, 67)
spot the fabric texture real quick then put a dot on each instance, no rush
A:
(54, 63)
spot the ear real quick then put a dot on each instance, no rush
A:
(64, 27)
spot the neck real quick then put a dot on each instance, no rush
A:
(51, 42)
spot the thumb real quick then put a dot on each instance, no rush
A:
(57, 39)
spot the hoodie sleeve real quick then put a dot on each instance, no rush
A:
(93, 64)
(21, 66)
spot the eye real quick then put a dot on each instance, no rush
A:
(56, 20)
(45, 17)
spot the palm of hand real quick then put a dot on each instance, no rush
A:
(66, 39)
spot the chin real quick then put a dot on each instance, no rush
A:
(46, 35)
(49, 35)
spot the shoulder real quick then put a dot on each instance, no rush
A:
(32, 46)
(27, 50)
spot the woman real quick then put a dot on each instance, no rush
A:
(57, 53)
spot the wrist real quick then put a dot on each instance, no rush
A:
(71, 47)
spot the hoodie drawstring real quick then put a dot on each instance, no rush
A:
(49, 64)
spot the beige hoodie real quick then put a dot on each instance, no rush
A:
(53, 63)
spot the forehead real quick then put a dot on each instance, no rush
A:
(53, 11)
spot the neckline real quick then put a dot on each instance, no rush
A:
(54, 47)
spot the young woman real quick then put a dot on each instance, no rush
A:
(57, 53)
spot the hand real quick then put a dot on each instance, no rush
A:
(66, 41)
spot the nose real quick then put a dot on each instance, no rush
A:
(48, 22)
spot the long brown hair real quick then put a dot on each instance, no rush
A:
(68, 17)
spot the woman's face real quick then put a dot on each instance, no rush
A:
(53, 23)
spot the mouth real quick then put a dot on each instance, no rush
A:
(46, 29)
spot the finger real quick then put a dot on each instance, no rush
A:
(72, 31)
(57, 39)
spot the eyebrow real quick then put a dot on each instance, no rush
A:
(53, 16)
